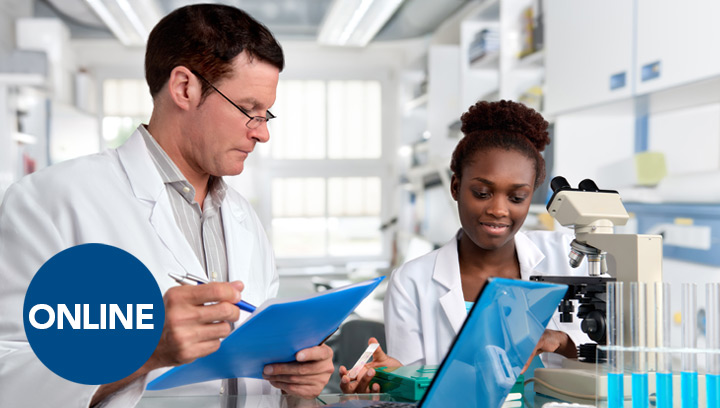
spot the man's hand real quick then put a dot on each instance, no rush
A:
(196, 318)
(553, 341)
(192, 329)
(361, 384)
(305, 377)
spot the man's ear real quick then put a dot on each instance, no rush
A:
(454, 187)
(184, 88)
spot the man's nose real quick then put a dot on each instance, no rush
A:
(261, 133)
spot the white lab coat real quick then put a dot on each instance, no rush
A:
(118, 198)
(425, 306)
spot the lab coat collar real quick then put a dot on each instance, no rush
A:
(446, 272)
(147, 185)
(239, 242)
(144, 178)
(529, 255)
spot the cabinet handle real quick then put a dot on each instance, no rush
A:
(650, 71)
(618, 81)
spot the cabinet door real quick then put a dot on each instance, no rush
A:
(443, 106)
(588, 56)
(677, 42)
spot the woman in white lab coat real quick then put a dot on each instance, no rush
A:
(496, 168)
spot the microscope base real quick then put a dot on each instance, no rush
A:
(586, 383)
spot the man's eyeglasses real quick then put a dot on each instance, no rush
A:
(254, 122)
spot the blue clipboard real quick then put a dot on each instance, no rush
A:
(274, 333)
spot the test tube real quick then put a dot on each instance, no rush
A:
(689, 376)
(712, 327)
(616, 365)
(663, 323)
(638, 331)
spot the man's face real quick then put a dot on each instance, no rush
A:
(494, 196)
(219, 140)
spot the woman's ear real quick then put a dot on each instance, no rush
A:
(454, 187)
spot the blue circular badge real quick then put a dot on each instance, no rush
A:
(93, 314)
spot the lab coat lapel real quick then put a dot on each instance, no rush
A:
(447, 273)
(239, 241)
(529, 255)
(148, 186)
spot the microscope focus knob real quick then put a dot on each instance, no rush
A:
(589, 326)
(594, 326)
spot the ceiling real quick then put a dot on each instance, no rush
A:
(287, 19)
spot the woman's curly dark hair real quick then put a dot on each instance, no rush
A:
(505, 125)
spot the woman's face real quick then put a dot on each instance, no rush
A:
(494, 196)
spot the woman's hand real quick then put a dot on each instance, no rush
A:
(361, 383)
(553, 341)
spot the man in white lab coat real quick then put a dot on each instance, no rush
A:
(212, 72)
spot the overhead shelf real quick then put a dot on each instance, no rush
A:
(416, 102)
(490, 60)
(22, 79)
(534, 60)
(24, 138)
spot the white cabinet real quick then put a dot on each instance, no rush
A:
(600, 52)
(510, 62)
(443, 98)
(588, 56)
(677, 42)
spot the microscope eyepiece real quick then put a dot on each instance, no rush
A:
(588, 185)
(559, 183)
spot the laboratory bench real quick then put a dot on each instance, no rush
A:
(531, 400)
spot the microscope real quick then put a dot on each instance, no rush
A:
(593, 213)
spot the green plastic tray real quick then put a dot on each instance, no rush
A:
(407, 382)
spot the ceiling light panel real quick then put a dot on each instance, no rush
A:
(355, 22)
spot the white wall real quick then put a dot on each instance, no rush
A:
(10, 10)
(585, 142)
(689, 138)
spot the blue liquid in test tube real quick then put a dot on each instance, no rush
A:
(689, 376)
(712, 338)
(615, 375)
(689, 389)
(713, 390)
(640, 395)
(616, 393)
(664, 390)
(663, 324)
(638, 338)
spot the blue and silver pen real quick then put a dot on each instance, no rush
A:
(190, 279)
